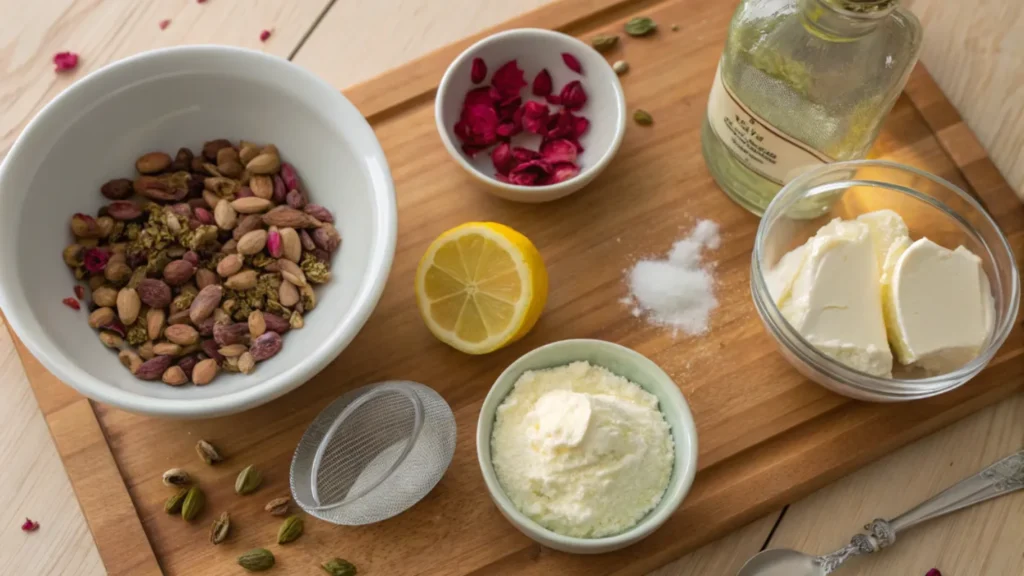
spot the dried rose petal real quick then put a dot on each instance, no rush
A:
(476, 97)
(244, 192)
(165, 23)
(554, 99)
(562, 172)
(573, 97)
(264, 35)
(509, 129)
(535, 117)
(80, 292)
(96, 260)
(934, 572)
(558, 151)
(507, 109)
(502, 178)
(478, 71)
(115, 326)
(72, 303)
(480, 126)
(530, 173)
(523, 155)
(580, 125)
(29, 525)
(572, 63)
(65, 61)
(502, 158)
(509, 79)
(471, 151)
(542, 83)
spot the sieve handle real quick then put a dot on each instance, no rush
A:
(347, 412)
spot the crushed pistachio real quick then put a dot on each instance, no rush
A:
(184, 300)
(259, 260)
(137, 334)
(316, 271)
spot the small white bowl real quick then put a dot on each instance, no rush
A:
(162, 100)
(636, 368)
(535, 50)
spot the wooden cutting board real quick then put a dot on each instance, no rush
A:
(767, 435)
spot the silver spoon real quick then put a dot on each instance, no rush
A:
(1003, 477)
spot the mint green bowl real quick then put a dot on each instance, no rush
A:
(636, 368)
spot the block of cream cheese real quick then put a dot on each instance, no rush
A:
(833, 298)
(888, 233)
(938, 306)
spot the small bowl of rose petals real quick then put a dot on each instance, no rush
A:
(534, 114)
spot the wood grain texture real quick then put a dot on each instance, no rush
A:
(975, 50)
(984, 540)
(767, 435)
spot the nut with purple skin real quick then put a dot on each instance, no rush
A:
(124, 210)
(154, 293)
(178, 272)
(266, 346)
(234, 333)
(117, 189)
(319, 212)
(205, 302)
(275, 323)
(204, 371)
(295, 199)
(327, 238)
(154, 368)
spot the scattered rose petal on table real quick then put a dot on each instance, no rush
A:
(29, 525)
(165, 23)
(65, 61)
(264, 35)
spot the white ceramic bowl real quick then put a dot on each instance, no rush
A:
(535, 50)
(163, 100)
(636, 368)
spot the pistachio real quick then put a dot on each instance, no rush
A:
(174, 376)
(206, 278)
(211, 199)
(207, 452)
(604, 42)
(288, 294)
(173, 504)
(252, 243)
(247, 153)
(246, 363)
(220, 528)
(101, 317)
(232, 350)
(291, 272)
(205, 302)
(182, 334)
(117, 189)
(243, 280)
(248, 481)
(265, 346)
(620, 67)
(111, 340)
(166, 349)
(176, 477)
(291, 244)
(262, 186)
(264, 163)
(288, 217)
(251, 205)
(193, 504)
(257, 324)
(640, 26)
(130, 360)
(278, 506)
(290, 530)
(146, 352)
(642, 117)
(256, 560)
(296, 321)
(224, 215)
(204, 372)
(153, 162)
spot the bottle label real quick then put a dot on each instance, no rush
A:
(758, 145)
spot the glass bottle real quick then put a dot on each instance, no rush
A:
(802, 83)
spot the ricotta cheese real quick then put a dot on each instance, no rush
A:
(582, 451)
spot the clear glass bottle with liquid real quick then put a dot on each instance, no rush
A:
(802, 83)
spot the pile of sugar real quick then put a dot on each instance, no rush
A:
(679, 291)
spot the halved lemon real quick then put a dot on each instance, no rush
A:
(481, 286)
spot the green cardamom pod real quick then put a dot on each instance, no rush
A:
(643, 117)
(290, 530)
(640, 26)
(248, 481)
(173, 504)
(256, 560)
(193, 504)
(221, 527)
(604, 42)
(339, 567)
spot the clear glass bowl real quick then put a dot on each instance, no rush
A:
(931, 207)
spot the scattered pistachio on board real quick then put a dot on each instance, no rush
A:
(339, 567)
(643, 117)
(248, 481)
(176, 477)
(278, 506)
(640, 26)
(620, 67)
(256, 560)
(220, 528)
(208, 453)
(290, 530)
(604, 42)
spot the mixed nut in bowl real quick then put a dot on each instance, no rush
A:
(222, 218)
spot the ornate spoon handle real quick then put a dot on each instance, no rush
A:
(1003, 477)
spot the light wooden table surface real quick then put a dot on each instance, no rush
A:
(974, 50)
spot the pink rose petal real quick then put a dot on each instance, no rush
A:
(264, 35)
(65, 61)
(478, 71)
(535, 117)
(558, 151)
(554, 99)
(523, 155)
(479, 96)
(573, 97)
(530, 173)
(572, 63)
(165, 23)
(29, 525)
(562, 172)
(509, 79)
(502, 158)
(542, 83)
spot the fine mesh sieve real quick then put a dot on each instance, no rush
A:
(373, 453)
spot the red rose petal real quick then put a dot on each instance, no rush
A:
(523, 155)
(80, 292)
(535, 117)
(478, 71)
(507, 109)
(934, 572)
(501, 178)
(502, 158)
(573, 97)
(572, 63)
(72, 303)
(508, 129)
(264, 35)
(471, 150)
(95, 260)
(562, 172)
(165, 23)
(558, 151)
(580, 125)
(29, 525)
(508, 79)
(542, 83)
(530, 173)
(482, 123)
(478, 97)
(65, 61)
(554, 99)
